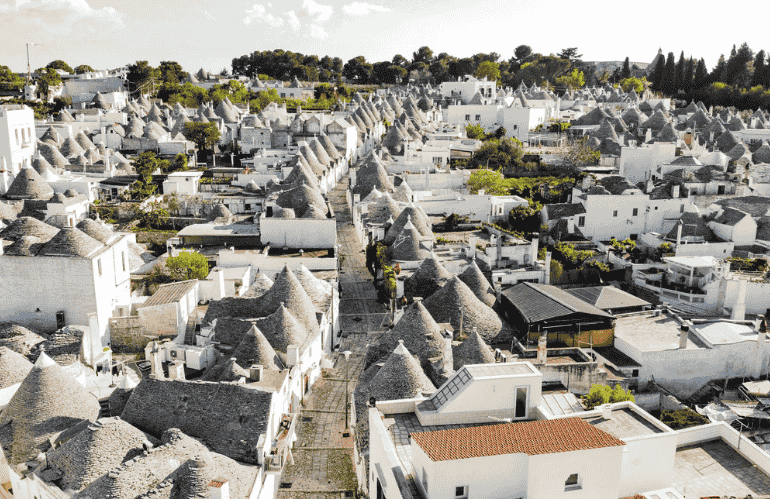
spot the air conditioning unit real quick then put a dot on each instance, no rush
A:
(175, 352)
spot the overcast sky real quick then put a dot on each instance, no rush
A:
(210, 33)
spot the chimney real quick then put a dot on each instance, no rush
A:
(176, 370)
(684, 331)
(542, 350)
(547, 272)
(219, 488)
(255, 372)
(292, 355)
(739, 308)
(219, 277)
(675, 191)
(152, 353)
(650, 186)
(679, 226)
(607, 412)
(570, 226)
(2, 251)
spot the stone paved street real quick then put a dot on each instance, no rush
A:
(324, 458)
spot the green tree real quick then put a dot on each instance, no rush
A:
(633, 83)
(47, 80)
(205, 135)
(700, 79)
(759, 77)
(171, 72)
(84, 68)
(59, 64)
(626, 71)
(505, 153)
(489, 70)
(573, 80)
(475, 132)
(668, 82)
(10, 80)
(423, 54)
(357, 70)
(656, 78)
(570, 54)
(525, 218)
(522, 52)
(579, 153)
(155, 218)
(569, 256)
(490, 181)
(180, 162)
(142, 77)
(556, 271)
(188, 265)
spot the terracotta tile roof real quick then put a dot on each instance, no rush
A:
(531, 438)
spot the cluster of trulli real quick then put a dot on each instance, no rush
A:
(271, 317)
(31, 237)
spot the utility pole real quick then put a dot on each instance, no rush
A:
(29, 68)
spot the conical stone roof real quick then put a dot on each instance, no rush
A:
(98, 231)
(455, 303)
(403, 193)
(288, 291)
(320, 152)
(53, 156)
(254, 348)
(71, 242)
(419, 332)
(83, 141)
(478, 283)
(14, 367)
(281, 328)
(100, 447)
(331, 149)
(70, 147)
(406, 247)
(48, 401)
(761, 155)
(28, 226)
(429, 278)
(261, 284)
(420, 221)
(28, 184)
(472, 351)
(384, 208)
(227, 370)
(401, 377)
(318, 290)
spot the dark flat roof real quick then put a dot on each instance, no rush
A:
(539, 302)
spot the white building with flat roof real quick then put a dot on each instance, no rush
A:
(17, 138)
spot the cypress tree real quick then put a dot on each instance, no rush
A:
(679, 74)
(758, 78)
(656, 78)
(669, 75)
(701, 75)
(719, 69)
(689, 69)
(626, 72)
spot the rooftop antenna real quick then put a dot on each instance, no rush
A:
(29, 68)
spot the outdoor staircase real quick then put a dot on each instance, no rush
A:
(192, 321)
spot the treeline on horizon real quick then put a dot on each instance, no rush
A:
(741, 80)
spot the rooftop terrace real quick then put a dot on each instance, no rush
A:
(625, 423)
(653, 334)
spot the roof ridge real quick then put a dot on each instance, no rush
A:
(560, 302)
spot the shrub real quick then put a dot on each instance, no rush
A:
(684, 418)
(603, 394)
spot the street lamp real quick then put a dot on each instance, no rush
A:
(346, 353)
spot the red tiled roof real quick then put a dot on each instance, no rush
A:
(532, 438)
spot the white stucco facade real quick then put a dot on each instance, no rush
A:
(17, 138)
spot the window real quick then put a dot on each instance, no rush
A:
(17, 137)
(467, 117)
(283, 95)
(123, 259)
(478, 117)
(461, 492)
(99, 264)
(521, 402)
(681, 208)
(615, 213)
(581, 221)
(635, 373)
(635, 212)
(633, 237)
(721, 189)
(656, 208)
(572, 482)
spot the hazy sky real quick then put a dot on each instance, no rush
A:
(210, 33)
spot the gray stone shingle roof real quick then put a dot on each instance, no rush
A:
(229, 418)
(456, 304)
(48, 401)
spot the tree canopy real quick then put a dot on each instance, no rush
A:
(59, 64)
(489, 70)
(83, 68)
(188, 265)
(205, 135)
